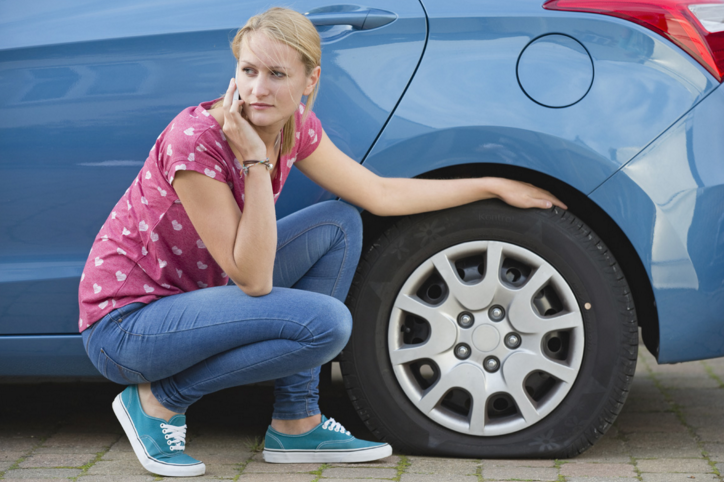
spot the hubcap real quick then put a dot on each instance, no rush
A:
(486, 338)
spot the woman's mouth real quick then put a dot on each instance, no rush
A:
(260, 106)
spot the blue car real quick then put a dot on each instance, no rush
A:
(482, 330)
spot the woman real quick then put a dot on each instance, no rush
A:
(156, 312)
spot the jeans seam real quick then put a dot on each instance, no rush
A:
(346, 244)
(296, 415)
(208, 326)
(249, 366)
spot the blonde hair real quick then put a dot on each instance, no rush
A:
(295, 30)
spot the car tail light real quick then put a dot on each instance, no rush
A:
(697, 26)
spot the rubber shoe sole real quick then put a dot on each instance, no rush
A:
(368, 454)
(149, 463)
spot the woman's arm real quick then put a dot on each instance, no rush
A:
(244, 246)
(336, 172)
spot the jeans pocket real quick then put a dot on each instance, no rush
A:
(116, 372)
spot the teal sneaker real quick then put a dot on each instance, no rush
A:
(327, 442)
(158, 444)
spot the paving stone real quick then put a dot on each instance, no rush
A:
(189, 479)
(679, 478)
(650, 422)
(362, 473)
(18, 444)
(440, 465)
(216, 470)
(212, 443)
(10, 456)
(662, 445)
(41, 473)
(278, 478)
(57, 450)
(56, 460)
(646, 404)
(123, 445)
(606, 450)
(518, 463)
(263, 467)
(699, 418)
(710, 434)
(218, 459)
(118, 455)
(390, 461)
(598, 470)
(715, 452)
(706, 400)
(688, 382)
(601, 479)
(524, 473)
(43, 480)
(431, 478)
(92, 442)
(688, 368)
(691, 466)
(121, 478)
(117, 467)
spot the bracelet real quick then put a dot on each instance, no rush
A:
(248, 164)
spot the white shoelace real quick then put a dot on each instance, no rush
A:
(330, 424)
(175, 436)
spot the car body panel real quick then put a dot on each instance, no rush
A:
(481, 114)
(642, 81)
(670, 202)
(86, 89)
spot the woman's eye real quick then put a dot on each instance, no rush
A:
(278, 74)
(248, 71)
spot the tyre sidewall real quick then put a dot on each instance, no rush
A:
(578, 257)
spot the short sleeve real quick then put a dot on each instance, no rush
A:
(194, 149)
(309, 135)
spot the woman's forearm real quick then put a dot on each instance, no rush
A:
(403, 196)
(256, 240)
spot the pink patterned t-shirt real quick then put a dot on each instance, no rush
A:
(148, 248)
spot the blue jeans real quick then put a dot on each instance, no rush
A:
(194, 343)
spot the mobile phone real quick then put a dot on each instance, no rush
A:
(236, 84)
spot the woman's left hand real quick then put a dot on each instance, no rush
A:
(524, 195)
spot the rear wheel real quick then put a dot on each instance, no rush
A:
(488, 331)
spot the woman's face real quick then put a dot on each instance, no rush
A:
(271, 80)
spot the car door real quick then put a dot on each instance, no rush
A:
(85, 88)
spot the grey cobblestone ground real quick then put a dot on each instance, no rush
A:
(671, 430)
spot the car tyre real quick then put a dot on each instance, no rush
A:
(559, 239)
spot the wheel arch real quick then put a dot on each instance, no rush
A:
(581, 206)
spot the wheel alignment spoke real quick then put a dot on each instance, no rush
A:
(465, 376)
(522, 314)
(442, 331)
(515, 370)
(476, 296)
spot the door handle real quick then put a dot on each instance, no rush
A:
(362, 19)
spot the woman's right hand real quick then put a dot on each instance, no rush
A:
(239, 132)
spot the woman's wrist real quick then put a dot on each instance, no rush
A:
(248, 164)
(490, 187)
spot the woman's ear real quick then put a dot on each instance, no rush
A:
(312, 80)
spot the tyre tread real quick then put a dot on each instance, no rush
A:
(575, 227)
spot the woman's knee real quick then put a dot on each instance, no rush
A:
(334, 328)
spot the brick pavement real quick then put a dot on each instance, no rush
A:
(671, 430)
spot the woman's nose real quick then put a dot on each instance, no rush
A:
(260, 87)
